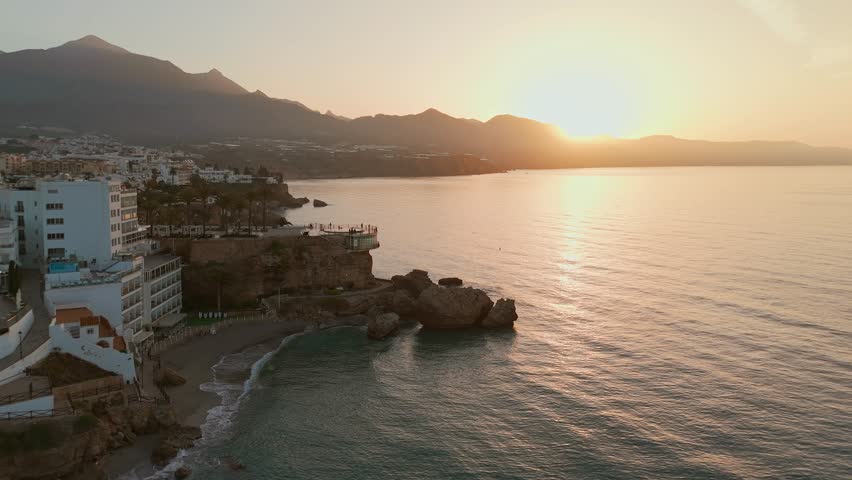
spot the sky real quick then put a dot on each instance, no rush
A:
(708, 69)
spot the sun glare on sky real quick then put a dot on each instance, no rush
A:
(582, 104)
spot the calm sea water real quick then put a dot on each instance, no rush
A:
(685, 323)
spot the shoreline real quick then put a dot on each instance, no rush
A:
(195, 361)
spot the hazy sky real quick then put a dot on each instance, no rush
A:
(712, 69)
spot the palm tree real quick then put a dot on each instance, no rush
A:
(187, 195)
(224, 203)
(251, 196)
(204, 190)
(264, 194)
(171, 217)
(148, 204)
(239, 205)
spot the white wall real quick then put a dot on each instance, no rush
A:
(9, 341)
(11, 372)
(40, 403)
(107, 358)
(102, 299)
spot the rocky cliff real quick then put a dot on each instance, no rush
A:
(71, 447)
(242, 269)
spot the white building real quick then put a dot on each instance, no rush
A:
(162, 284)
(8, 243)
(86, 238)
(66, 219)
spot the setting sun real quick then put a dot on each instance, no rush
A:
(583, 105)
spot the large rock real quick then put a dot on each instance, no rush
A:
(170, 377)
(414, 282)
(452, 307)
(319, 203)
(183, 472)
(450, 282)
(503, 314)
(403, 303)
(382, 325)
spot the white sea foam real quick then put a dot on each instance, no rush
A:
(219, 418)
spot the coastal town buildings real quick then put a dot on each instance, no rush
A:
(84, 239)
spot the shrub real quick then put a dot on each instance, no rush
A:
(84, 423)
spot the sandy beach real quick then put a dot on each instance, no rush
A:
(194, 361)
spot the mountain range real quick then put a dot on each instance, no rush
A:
(91, 85)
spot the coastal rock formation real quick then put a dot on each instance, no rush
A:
(402, 303)
(414, 282)
(73, 446)
(175, 439)
(452, 307)
(183, 472)
(450, 282)
(319, 203)
(170, 378)
(382, 325)
(503, 314)
(239, 270)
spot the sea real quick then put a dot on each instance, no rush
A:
(675, 323)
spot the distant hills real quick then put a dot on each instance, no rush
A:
(92, 85)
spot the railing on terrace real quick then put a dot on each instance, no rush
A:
(24, 396)
(197, 326)
(94, 392)
(344, 229)
(34, 414)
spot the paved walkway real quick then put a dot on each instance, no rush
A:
(31, 293)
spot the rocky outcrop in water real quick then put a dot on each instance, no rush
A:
(450, 282)
(319, 203)
(414, 282)
(502, 315)
(441, 307)
(183, 472)
(381, 326)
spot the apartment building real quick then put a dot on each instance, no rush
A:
(85, 237)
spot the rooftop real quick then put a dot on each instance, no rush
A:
(154, 261)
(72, 315)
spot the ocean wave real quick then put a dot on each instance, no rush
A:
(232, 386)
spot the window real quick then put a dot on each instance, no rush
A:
(20, 220)
(19, 206)
(55, 206)
(56, 221)
(55, 236)
(90, 331)
(52, 190)
(56, 252)
(115, 198)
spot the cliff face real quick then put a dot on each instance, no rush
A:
(242, 269)
(71, 447)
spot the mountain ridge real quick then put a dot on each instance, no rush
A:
(89, 84)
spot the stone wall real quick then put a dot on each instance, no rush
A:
(83, 394)
(243, 269)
